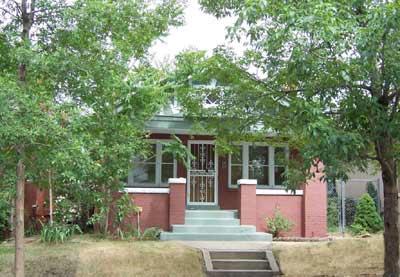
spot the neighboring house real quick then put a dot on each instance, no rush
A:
(196, 203)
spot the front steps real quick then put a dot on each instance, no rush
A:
(240, 263)
(214, 225)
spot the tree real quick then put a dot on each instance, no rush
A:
(328, 83)
(58, 54)
(367, 218)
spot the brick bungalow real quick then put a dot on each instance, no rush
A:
(247, 184)
(218, 197)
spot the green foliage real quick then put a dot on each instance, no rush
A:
(367, 219)
(125, 207)
(333, 214)
(278, 224)
(58, 232)
(372, 191)
(152, 233)
(5, 209)
(65, 210)
(81, 99)
(178, 150)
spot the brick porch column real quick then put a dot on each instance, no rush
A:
(247, 201)
(314, 206)
(177, 200)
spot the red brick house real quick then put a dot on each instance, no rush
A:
(219, 196)
(225, 197)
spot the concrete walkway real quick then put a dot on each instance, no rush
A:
(228, 245)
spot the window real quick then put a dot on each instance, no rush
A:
(264, 163)
(259, 164)
(153, 171)
(236, 166)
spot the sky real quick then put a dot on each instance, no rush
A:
(201, 31)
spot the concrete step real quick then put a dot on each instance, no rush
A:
(242, 273)
(236, 255)
(256, 236)
(212, 221)
(233, 214)
(213, 229)
(241, 264)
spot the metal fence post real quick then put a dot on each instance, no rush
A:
(343, 200)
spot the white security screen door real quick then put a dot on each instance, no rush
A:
(202, 173)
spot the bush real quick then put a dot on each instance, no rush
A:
(278, 224)
(367, 218)
(58, 233)
(4, 217)
(65, 210)
(125, 207)
(152, 233)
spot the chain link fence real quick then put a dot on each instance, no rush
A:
(343, 198)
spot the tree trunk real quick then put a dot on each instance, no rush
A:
(27, 19)
(50, 199)
(19, 220)
(391, 220)
(384, 150)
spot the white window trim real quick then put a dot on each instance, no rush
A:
(245, 165)
(278, 192)
(146, 190)
(158, 163)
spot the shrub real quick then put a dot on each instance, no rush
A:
(278, 224)
(58, 233)
(124, 208)
(152, 233)
(367, 218)
(4, 217)
(65, 210)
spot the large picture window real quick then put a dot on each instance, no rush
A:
(264, 163)
(154, 170)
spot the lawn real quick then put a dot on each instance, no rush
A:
(88, 256)
(341, 257)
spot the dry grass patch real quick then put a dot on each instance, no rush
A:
(341, 257)
(85, 256)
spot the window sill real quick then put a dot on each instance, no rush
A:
(147, 190)
(299, 192)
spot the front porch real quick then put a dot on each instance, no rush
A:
(216, 188)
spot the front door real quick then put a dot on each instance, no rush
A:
(202, 173)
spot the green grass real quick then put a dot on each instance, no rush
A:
(88, 256)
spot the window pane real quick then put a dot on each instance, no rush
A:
(236, 156)
(280, 156)
(258, 155)
(144, 174)
(279, 175)
(260, 173)
(167, 171)
(236, 174)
